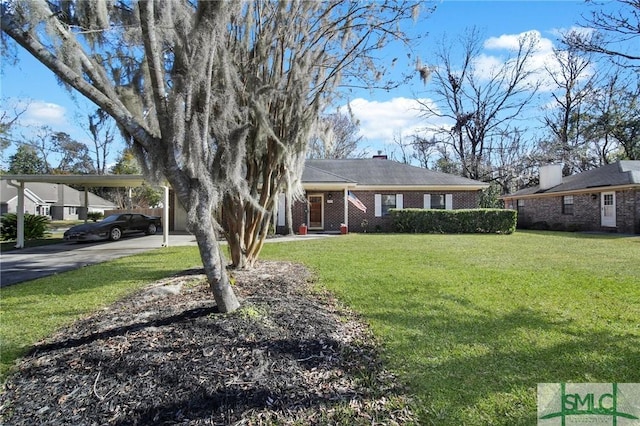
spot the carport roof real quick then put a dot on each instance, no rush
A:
(86, 180)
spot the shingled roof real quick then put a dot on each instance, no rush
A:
(379, 172)
(48, 193)
(622, 173)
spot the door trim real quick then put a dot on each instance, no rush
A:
(608, 221)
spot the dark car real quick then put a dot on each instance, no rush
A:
(114, 227)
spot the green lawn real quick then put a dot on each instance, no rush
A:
(34, 310)
(471, 323)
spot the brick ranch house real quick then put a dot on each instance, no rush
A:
(602, 199)
(350, 191)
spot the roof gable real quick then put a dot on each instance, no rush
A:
(9, 192)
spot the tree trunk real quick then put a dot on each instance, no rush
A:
(203, 227)
(289, 213)
(234, 228)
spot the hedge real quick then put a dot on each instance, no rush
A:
(465, 221)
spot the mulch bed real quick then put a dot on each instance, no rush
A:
(289, 355)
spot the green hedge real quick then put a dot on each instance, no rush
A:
(467, 221)
(35, 226)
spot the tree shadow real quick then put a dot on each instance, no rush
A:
(192, 365)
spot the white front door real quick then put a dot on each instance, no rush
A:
(608, 209)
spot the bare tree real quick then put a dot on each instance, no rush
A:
(613, 122)
(478, 106)
(8, 119)
(512, 164)
(573, 80)
(102, 130)
(616, 34)
(41, 144)
(338, 138)
(215, 97)
(404, 148)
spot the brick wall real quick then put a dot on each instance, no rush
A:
(628, 211)
(334, 210)
(586, 212)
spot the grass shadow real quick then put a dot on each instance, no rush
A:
(481, 365)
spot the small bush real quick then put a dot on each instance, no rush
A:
(35, 226)
(95, 216)
(467, 221)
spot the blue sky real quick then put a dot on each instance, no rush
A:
(381, 114)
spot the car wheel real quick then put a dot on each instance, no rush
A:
(151, 229)
(115, 234)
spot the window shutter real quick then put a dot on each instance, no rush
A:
(378, 204)
(448, 201)
(281, 209)
(427, 201)
(399, 201)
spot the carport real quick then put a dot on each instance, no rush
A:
(86, 181)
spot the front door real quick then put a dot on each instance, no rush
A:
(316, 206)
(608, 209)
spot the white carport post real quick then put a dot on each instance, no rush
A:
(346, 207)
(20, 215)
(165, 217)
(86, 204)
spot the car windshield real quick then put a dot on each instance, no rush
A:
(111, 218)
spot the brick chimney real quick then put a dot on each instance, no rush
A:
(380, 156)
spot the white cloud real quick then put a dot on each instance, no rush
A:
(41, 113)
(541, 62)
(380, 121)
(505, 41)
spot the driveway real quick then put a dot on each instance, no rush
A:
(28, 264)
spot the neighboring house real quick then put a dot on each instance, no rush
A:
(9, 200)
(338, 192)
(602, 199)
(60, 202)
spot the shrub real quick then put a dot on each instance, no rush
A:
(467, 221)
(95, 216)
(35, 226)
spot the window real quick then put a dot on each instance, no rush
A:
(386, 202)
(520, 206)
(567, 204)
(437, 201)
(73, 210)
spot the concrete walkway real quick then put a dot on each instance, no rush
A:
(17, 266)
